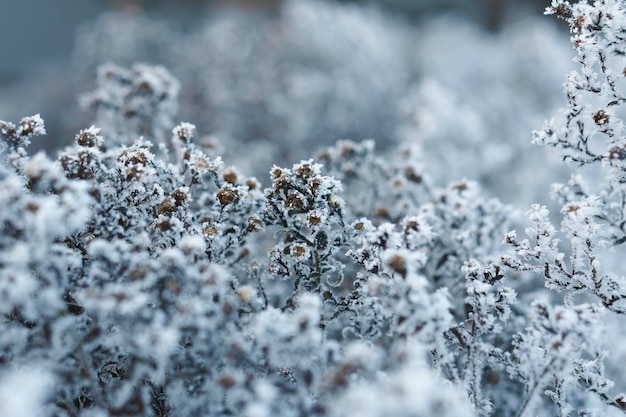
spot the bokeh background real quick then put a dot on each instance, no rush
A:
(461, 82)
(36, 32)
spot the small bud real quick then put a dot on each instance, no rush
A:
(226, 381)
(294, 200)
(209, 231)
(347, 150)
(180, 196)
(412, 176)
(227, 195)
(617, 153)
(304, 170)
(299, 251)
(398, 264)
(412, 225)
(89, 137)
(563, 10)
(167, 206)
(314, 219)
(163, 225)
(460, 186)
(230, 176)
(600, 117)
(245, 293)
(335, 202)
(252, 184)
(276, 173)
(382, 212)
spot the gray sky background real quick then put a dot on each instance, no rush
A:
(34, 32)
(37, 31)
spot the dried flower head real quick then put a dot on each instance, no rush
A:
(90, 138)
(397, 264)
(228, 195)
(600, 117)
(299, 251)
(230, 176)
(184, 132)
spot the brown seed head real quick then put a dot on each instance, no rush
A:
(226, 381)
(230, 176)
(398, 264)
(180, 197)
(298, 251)
(600, 117)
(304, 171)
(617, 153)
(167, 206)
(227, 195)
(294, 200)
(412, 225)
(412, 176)
(314, 219)
(209, 230)
(382, 212)
(251, 184)
(563, 10)
(577, 24)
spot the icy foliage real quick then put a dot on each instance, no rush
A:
(142, 100)
(582, 257)
(589, 137)
(143, 280)
(142, 275)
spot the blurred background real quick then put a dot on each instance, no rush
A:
(460, 82)
(39, 32)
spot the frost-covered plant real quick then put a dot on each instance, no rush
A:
(17, 138)
(142, 100)
(160, 295)
(413, 287)
(140, 275)
(590, 137)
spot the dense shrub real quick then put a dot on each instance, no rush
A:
(140, 275)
